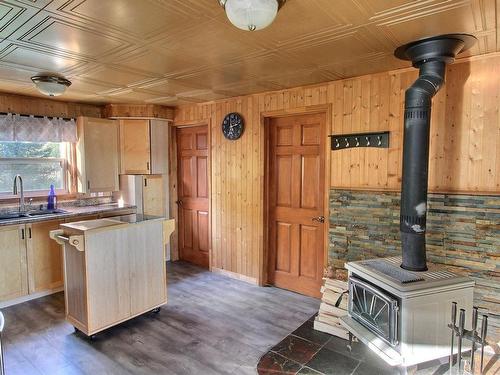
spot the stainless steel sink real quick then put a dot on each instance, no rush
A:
(12, 215)
(37, 213)
(45, 212)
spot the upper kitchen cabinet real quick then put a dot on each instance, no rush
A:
(97, 155)
(143, 146)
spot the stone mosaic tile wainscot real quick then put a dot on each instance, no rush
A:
(463, 234)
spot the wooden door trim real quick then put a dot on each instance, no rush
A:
(174, 183)
(265, 118)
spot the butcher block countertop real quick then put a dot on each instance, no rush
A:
(87, 225)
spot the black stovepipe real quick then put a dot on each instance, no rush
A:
(416, 163)
(430, 56)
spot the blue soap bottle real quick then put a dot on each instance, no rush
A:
(52, 199)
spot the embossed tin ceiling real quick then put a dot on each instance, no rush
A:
(176, 51)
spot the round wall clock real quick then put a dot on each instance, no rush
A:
(233, 126)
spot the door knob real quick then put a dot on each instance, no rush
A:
(319, 219)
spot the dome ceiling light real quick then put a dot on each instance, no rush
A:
(51, 85)
(251, 14)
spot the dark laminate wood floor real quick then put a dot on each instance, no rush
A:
(211, 325)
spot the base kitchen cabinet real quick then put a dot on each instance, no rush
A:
(44, 257)
(114, 270)
(13, 262)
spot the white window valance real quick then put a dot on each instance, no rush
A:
(21, 128)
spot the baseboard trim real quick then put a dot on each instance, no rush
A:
(237, 276)
(29, 297)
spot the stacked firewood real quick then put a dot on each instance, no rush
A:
(333, 306)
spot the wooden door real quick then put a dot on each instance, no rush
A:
(45, 269)
(135, 149)
(192, 158)
(296, 203)
(153, 197)
(13, 265)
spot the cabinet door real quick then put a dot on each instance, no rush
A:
(148, 285)
(153, 196)
(107, 277)
(159, 146)
(97, 155)
(44, 257)
(13, 266)
(135, 150)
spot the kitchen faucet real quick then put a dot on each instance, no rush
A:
(22, 208)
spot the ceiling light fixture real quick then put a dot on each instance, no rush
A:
(51, 85)
(251, 14)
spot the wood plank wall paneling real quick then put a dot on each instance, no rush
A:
(465, 146)
(30, 105)
(138, 111)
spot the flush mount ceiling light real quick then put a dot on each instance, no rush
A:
(251, 14)
(51, 85)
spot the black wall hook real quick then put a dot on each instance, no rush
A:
(343, 141)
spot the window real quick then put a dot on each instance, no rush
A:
(40, 164)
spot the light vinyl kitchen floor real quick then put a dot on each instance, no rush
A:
(211, 325)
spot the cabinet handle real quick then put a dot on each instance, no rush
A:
(29, 232)
(88, 184)
(22, 234)
(147, 165)
(145, 182)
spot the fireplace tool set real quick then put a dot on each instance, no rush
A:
(471, 335)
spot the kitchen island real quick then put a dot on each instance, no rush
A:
(114, 269)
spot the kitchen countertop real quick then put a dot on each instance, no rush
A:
(72, 211)
(110, 222)
(137, 218)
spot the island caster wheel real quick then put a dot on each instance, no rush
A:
(77, 331)
(92, 337)
(156, 311)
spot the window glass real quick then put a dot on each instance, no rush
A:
(39, 164)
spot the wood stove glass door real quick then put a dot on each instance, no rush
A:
(374, 309)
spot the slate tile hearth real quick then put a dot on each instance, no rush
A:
(309, 352)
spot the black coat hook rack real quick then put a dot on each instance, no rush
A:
(343, 141)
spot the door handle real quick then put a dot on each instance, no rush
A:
(319, 219)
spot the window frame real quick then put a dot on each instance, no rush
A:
(66, 173)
